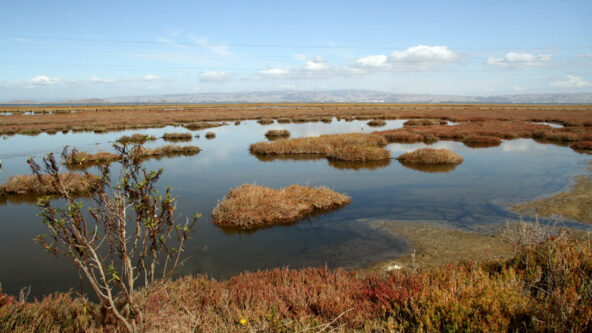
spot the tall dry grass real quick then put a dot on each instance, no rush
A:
(345, 147)
(431, 156)
(136, 138)
(76, 184)
(177, 136)
(277, 134)
(251, 206)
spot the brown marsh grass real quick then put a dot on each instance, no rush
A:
(376, 123)
(284, 120)
(111, 117)
(431, 156)
(491, 128)
(424, 122)
(136, 138)
(83, 159)
(277, 134)
(582, 145)
(210, 135)
(251, 206)
(177, 137)
(201, 125)
(76, 184)
(265, 121)
(168, 150)
(477, 141)
(347, 147)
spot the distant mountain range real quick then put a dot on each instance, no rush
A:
(332, 96)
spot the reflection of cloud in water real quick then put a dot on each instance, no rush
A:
(521, 145)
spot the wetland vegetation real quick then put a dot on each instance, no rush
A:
(251, 206)
(403, 273)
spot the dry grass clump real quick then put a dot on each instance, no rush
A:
(265, 121)
(359, 153)
(177, 137)
(402, 136)
(168, 150)
(431, 156)
(284, 120)
(376, 123)
(210, 135)
(276, 134)
(201, 125)
(348, 147)
(424, 122)
(76, 184)
(327, 120)
(251, 206)
(135, 138)
(482, 141)
(83, 159)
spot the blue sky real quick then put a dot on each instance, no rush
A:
(56, 50)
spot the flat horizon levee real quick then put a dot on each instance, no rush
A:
(473, 195)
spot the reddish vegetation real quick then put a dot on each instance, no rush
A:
(582, 145)
(250, 206)
(108, 117)
(544, 287)
(75, 183)
(345, 147)
(431, 156)
(491, 128)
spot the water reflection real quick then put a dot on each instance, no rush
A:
(429, 167)
(359, 165)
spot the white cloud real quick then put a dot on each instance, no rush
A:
(42, 80)
(150, 77)
(285, 86)
(315, 65)
(274, 72)
(218, 48)
(211, 76)
(95, 79)
(423, 57)
(585, 55)
(373, 61)
(570, 81)
(415, 58)
(518, 89)
(514, 60)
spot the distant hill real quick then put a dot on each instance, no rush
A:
(332, 96)
(351, 96)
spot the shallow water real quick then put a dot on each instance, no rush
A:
(472, 196)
